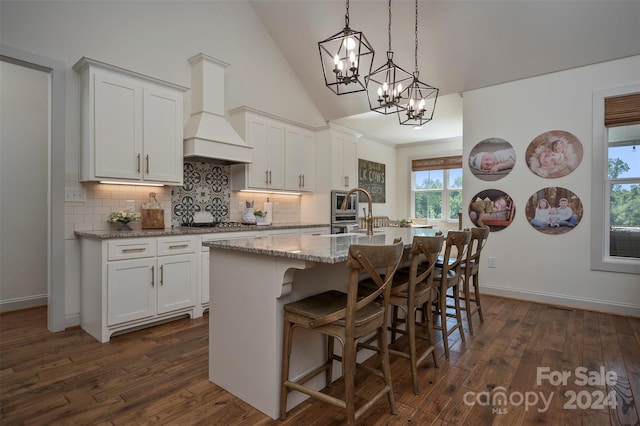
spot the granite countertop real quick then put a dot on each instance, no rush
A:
(316, 248)
(185, 230)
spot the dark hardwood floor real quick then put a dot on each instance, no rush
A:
(159, 375)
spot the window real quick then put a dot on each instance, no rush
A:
(615, 240)
(436, 188)
(623, 191)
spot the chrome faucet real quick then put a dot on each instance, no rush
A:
(369, 216)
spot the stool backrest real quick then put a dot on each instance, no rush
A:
(479, 238)
(429, 247)
(380, 263)
(460, 241)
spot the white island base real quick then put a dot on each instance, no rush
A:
(251, 279)
(248, 292)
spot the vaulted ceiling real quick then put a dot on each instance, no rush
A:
(462, 45)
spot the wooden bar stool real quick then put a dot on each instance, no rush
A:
(470, 269)
(348, 318)
(446, 277)
(412, 288)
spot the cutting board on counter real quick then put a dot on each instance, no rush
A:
(152, 218)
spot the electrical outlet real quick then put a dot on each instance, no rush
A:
(75, 194)
(240, 206)
(492, 262)
(131, 205)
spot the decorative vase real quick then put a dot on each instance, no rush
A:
(124, 226)
(248, 216)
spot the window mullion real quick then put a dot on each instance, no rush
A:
(445, 196)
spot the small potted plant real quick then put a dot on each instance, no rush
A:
(123, 217)
(261, 216)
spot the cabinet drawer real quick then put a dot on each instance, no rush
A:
(176, 245)
(131, 249)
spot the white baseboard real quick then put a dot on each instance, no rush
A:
(23, 303)
(625, 309)
(72, 320)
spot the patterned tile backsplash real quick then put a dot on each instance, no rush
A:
(206, 188)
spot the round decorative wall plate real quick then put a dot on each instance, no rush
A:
(554, 210)
(492, 207)
(554, 154)
(492, 159)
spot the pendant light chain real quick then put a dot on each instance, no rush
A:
(422, 97)
(386, 84)
(416, 52)
(346, 17)
(389, 27)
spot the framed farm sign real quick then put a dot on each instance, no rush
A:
(371, 177)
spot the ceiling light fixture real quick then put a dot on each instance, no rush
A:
(343, 55)
(385, 84)
(421, 96)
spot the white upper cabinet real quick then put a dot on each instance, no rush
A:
(283, 155)
(266, 136)
(344, 165)
(132, 126)
(300, 155)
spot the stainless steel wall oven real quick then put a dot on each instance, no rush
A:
(342, 220)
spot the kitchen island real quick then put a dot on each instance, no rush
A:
(250, 281)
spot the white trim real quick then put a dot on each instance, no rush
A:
(23, 302)
(56, 162)
(615, 308)
(445, 190)
(600, 260)
(72, 320)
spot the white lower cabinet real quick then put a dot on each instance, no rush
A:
(128, 283)
(131, 293)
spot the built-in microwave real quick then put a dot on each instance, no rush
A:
(341, 219)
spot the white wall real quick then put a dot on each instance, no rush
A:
(530, 264)
(155, 38)
(24, 169)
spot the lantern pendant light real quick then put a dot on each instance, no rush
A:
(421, 97)
(347, 57)
(385, 84)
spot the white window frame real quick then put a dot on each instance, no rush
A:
(445, 196)
(600, 190)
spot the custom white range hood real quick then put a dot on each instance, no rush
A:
(207, 133)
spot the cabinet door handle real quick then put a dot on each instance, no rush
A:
(133, 250)
(179, 246)
(299, 180)
(266, 176)
(138, 168)
(147, 158)
(269, 177)
(153, 274)
(161, 274)
(303, 181)
(346, 181)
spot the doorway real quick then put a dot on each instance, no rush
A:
(32, 184)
